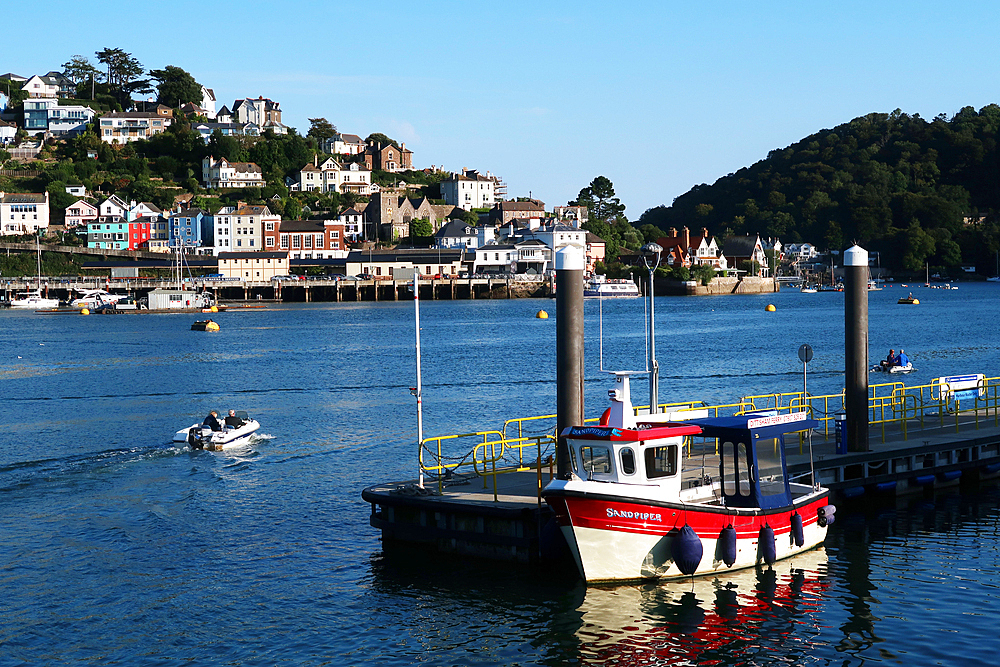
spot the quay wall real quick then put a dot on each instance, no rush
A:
(718, 286)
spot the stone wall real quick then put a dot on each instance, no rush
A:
(718, 286)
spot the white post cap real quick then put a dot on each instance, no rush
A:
(570, 258)
(855, 256)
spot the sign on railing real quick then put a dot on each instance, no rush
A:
(961, 387)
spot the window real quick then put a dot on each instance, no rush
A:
(661, 461)
(596, 459)
(269, 241)
(268, 226)
(627, 457)
(735, 471)
(770, 474)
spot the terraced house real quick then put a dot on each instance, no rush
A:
(23, 213)
(122, 127)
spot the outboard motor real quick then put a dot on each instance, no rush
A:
(194, 437)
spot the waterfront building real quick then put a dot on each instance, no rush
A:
(352, 218)
(470, 189)
(739, 249)
(108, 232)
(143, 209)
(80, 212)
(383, 263)
(308, 239)
(457, 234)
(23, 213)
(253, 266)
(683, 250)
(222, 173)
(249, 224)
(596, 252)
(525, 256)
(122, 127)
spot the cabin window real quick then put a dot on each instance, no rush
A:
(661, 461)
(628, 461)
(596, 459)
(735, 469)
(770, 474)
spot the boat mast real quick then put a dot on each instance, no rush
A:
(651, 258)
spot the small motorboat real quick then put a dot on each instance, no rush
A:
(201, 436)
(601, 286)
(205, 325)
(909, 300)
(879, 368)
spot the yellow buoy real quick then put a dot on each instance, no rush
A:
(770, 308)
(542, 315)
(916, 302)
(211, 326)
(215, 309)
(85, 311)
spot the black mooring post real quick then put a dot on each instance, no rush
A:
(569, 348)
(856, 347)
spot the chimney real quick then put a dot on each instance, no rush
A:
(704, 232)
(686, 236)
(672, 233)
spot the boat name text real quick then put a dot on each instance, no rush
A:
(625, 514)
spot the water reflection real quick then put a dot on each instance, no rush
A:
(705, 620)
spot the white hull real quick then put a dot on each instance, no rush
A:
(217, 440)
(878, 368)
(94, 299)
(610, 288)
(34, 301)
(624, 550)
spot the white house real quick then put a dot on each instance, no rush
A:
(344, 144)
(124, 127)
(352, 219)
(40, 86)
(557, 235)
(113, 207)
(222, 173)
(332, 176)
(244, 228)
(527, 256)
(262, 112)
(7, 132)
(143, 210)
(470, 190)
(23, 213)
(208, 102)
(457, 234)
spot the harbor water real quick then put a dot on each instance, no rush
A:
(119, 547)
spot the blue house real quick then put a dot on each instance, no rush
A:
(191, 228)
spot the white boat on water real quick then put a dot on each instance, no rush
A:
(635, 506)
(33, 300)
(879, 368)
(201, 436)
(602, 286)
(92, 298)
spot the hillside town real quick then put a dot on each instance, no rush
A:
(346, 198)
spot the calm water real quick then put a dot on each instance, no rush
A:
(118, 547)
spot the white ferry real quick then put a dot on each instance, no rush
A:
(610, 287)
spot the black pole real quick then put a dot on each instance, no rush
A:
(856, 347)
(569, 348)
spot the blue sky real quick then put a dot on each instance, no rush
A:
(657, 96)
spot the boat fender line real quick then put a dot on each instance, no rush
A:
(727, 545)
(798, 536)
(605, 417)
(767, 548)
(826, 515)
(686, 550)
(193, 438)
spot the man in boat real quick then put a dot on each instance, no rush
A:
(902, 359)
(890, 359)
(233, 420)
(212, 420)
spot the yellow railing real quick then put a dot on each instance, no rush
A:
(528, 443)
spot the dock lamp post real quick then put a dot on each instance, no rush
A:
(651, 258)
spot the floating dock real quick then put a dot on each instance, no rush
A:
(493, 508)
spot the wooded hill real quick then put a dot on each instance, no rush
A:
(917, 191)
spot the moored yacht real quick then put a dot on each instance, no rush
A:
(33, 300)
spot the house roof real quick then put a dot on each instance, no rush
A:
(247, 209)
(533, 206)
(423, 256)
(740, 246)
(301, 226)
(594, 238)
(456, 228)
(224, 111)
(24, 198)
(253, 255)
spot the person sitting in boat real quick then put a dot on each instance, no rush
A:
(233, 420)
(212, 420)
(890, 359)
(902, 359)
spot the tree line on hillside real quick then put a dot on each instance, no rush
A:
(917, 191)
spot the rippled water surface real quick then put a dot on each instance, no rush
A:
(119, 547)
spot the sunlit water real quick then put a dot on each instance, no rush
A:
(119, 547)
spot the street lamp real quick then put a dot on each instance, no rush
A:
(651, 258)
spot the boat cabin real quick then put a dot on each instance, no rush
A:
(752, 456)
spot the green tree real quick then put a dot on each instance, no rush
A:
(600, 200)
(176, 86)
(321, 129)
(703, 273)
(376, 138)
(79, 69)
(123, 74)
(421, 227)
(918, 246)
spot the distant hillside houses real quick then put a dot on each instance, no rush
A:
(122, 127)
(470, 189)
(332, 176)
(222, 173)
